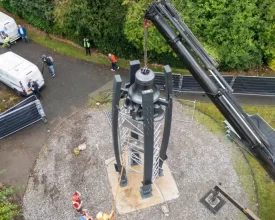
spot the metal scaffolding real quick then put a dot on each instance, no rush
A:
(131, 133)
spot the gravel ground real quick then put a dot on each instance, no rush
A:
(198, 160)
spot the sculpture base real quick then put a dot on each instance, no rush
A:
(213, 206)
(129, 198)
(146, 191)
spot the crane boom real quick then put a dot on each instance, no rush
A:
(200, 64)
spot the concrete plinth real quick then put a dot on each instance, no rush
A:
(129, 198)
(213, 206)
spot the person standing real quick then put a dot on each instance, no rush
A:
(113, 61)
(33, 85)
(87, 46)
(7, 42)
(49, 61)
(23, 33)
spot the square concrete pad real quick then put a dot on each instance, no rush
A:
(129, 198)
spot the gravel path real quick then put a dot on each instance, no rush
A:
(198, 159)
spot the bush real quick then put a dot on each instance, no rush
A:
(265, 29)
(101, 21)
(38, 13)
(271, 64)
(7, 210)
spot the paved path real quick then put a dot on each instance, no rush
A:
(75, 80)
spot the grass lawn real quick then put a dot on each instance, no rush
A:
(265, 185)
(7, 99)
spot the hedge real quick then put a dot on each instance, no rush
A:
(239, 34)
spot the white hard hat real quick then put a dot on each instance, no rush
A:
(109, 54)
(99, 215)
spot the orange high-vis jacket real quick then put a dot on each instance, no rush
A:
(113, 58)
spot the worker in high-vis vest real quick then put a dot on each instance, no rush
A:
(87, 46)
(7, 42)
(104, 216)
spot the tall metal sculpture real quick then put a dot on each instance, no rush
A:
(145, 108)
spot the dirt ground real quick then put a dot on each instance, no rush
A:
(197, 159)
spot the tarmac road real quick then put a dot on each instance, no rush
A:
(68, 91)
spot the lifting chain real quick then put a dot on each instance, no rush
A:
(146, 26)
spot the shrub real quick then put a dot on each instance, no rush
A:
(7, 210)
(272, 64)
(218, 24)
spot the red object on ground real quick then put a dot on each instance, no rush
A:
(76, 200)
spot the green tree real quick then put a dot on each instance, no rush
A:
(265, 29)
(101, 21)
(37, 13)
(224, 25)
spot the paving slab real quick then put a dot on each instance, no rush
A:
(129, 198)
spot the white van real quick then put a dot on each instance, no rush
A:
(9, 26)
(15, 72)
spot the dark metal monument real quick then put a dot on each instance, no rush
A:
(136, 126)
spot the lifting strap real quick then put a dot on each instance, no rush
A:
(146, 26)
(120, 176)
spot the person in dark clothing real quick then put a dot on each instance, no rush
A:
(49, 61)
(33, 85)
(87, 46)
(23, 33)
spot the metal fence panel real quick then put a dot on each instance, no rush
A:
(20, 116)
(254, 85)
(190, 84)
(20, 104)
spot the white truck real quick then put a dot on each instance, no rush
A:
(16, 72)
(9, 26)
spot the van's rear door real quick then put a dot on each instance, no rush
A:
(35, 75)
(11, 29)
